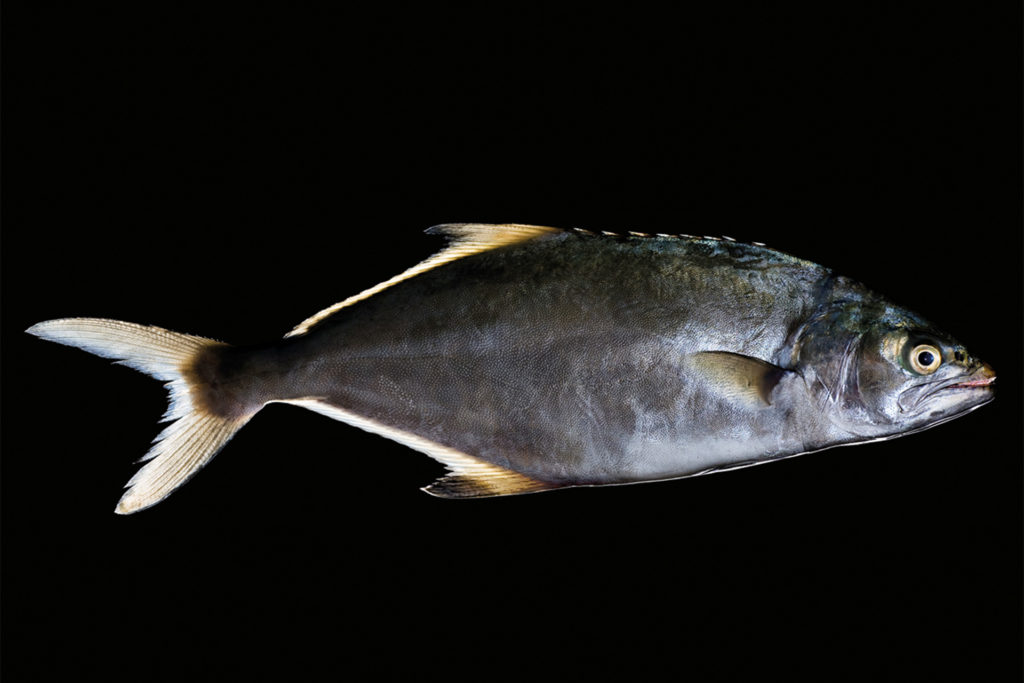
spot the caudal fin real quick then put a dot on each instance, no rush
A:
(195, 434)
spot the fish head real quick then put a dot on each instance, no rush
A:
(879, 372)
(911, 379)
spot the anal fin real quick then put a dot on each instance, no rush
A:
(485, 481)
(469, 476)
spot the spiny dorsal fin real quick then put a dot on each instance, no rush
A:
(737, 377)
(466, 239)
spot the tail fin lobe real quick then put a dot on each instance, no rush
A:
(195, 434)
(181, 450)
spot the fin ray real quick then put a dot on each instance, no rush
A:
(489, 485)
(180, 451)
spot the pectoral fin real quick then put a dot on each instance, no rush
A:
(736, 377)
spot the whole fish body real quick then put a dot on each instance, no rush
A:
(527, 358)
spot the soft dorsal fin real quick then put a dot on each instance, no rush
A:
(466, 239)
(737, 377)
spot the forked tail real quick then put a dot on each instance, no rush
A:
(195, 433)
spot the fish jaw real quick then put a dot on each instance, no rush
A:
(980, 382)
(984, 376)
(959, 396)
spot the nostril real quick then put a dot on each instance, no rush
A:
(959, 355)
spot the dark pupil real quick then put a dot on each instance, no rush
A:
(925, 358)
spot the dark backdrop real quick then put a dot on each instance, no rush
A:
(229, 174)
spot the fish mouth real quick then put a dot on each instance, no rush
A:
(983, 377)
(974, 383)
(971, 391)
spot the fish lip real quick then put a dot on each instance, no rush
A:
(973, 383)
(982, 377)
(979, 382)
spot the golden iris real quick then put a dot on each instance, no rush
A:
(925, 359)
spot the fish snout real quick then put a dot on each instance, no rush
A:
(982, 377)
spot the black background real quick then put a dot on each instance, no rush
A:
(230, 174)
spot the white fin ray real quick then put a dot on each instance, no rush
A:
(194, 435)
(152, 350)
(179, 452)
(467, 239)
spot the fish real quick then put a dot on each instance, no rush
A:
(527, 358)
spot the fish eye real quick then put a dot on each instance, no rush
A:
(925, 359)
